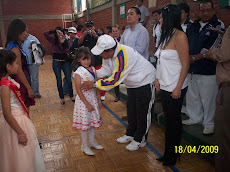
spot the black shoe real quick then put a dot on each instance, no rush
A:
(62, 102)
(117, 99)
(38, 96)
(171, 161)
(162, 159)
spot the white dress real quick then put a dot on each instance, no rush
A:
(82, 118)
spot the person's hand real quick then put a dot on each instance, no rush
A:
(30, 93)
(90, 107)
(191, 60)
(61, 36)
(23, 141)
(208, 54)
(87, 85)
(85, 32)
(100, 104)
(94, 34)
(218, 46)
(157, 85)
(176, 93)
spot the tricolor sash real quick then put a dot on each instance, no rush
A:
(14, 88)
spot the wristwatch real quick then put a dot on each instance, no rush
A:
(204, 56)
(94, 85)
(194, 58)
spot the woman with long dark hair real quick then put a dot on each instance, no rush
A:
(60, 49)
(16, 34)
(172, 69)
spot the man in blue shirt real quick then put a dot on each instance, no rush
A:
(33, 68)
(136, 35)
(202, 87)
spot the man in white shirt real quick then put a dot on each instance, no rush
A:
(136, 35)
(144, 12)
(156, 29)
(185, 20)
(122, 64)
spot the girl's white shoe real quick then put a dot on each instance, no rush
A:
(87, 151)
(95, 145)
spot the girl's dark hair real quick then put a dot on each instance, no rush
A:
(6, 57)
(56, 41)
(171, 15)
(82, 52)
(16, 27)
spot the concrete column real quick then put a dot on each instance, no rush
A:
(88, 9)
(114, 12)
(2, 26)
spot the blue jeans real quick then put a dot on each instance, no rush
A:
(65, 86)
(34, 70)
(66, 68)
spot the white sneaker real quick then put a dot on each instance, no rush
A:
(124, 139)
(102, 98)
(188, 122)
(87, 151)
(95, 145)
(208, 130)
(134, 145)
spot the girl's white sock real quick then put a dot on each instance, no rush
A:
(84, 139)
(92, 136)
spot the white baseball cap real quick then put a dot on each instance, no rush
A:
(104, 42)
(72, 30)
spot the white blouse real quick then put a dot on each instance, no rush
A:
(168, 69)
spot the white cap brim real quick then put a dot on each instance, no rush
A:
(97, 50)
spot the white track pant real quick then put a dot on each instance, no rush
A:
(200, 98)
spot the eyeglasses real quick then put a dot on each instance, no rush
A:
(166, 8)
(207, 10)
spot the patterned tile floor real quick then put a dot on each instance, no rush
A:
(61, 144)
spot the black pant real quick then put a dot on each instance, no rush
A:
(139, 105)
(173, 129)
(117, 91)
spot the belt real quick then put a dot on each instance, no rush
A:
(223, 84)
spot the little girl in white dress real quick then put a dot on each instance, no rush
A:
(86, 116)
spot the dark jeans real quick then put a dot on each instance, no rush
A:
(66, 68)
(139, 104)
(117, 91)
(173, 129)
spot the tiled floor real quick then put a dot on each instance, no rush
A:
(61, 144)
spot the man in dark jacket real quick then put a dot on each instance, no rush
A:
(202, 87)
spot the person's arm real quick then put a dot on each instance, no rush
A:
(21, 74)
(82, 38)
(145, 21)
(98, 93)
(142, 42)
(77, 80)
(105, 70)
(36, 40)
(118, 76)
(6, 108)
(122, 38)
(121, 71)
(181, 43)
(48, 37)
(221, 54)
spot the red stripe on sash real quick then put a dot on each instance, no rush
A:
(14, 88)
